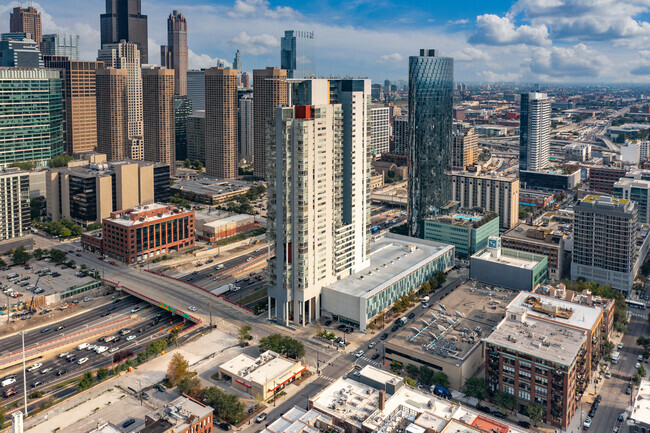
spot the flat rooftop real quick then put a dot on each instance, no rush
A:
(298, 420)
(509, 257)
(268, 366)
(550, 234)
(461, 219)
(560, 310)
(124, 218)
(453, 327)
(212, 186)
(539, 338)
(641, 411)
(392, 257)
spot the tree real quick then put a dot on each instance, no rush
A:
(177, 369)
(102, 374)
(412, 371)
(2, 263)
(505, 401)
(187, 163)
(641, 370)
(410, 382)
(172, 338)
(425, 288)
(475, 387)
(3, 414)
(244, 334)
(21, 256)
(440, 378)
(23, 165)
(226, 406)
(396, 366)
(93, 226)
(190, 386)
(284, 345)
(534, 412)
(58, 256)
(86, 381)
(60, 160)
(38, 253)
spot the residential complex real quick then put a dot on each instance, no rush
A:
(464, 147)
(159, 115)
(123, 21)
(638, 191)
(79, 102)
(112, 113)
(269, 93)
(182, 110)
(221, 123)
(602, 179)
(196, 88)
(468, 232)
(15, 217)
(26, 20)
(535, 121)
(246, 129)
(611, 257)
(32, 115)
(174, 54)
(498, 194)
(431, 80)
(400, 135)
(196, 136)
(379, 130)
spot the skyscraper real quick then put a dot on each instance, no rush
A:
(269, 92)
(158, 115)
(19, 51)
(174, 54)
(245, 80)
(221, 123)
(379, 130)
(236, 64)
(400, 135)
(464, 147)
(431, 80)
(112, 113)
(296, 53)
(183, 109)
(535, 127)
(604, 241)
(61, 45)
(125, 55)
(246, 128)
(31, 115)
(123, 20)
(196, 88)
(196, 136)
(15, 217)
(26, 20)
(79, 102)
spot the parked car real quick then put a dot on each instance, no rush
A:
(159, 387)
(587, 424)
(261, 417)
(128, 422)
(483, 408)
(524, 424)
(384, 336)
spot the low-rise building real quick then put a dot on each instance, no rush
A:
(492, 130)
(468, 232)
(145, 232)
(297, 420)
(210, 190)
(536, 199)
(398, 265)
(261, 377)
(504, 267)
(550, 179)
(641, 409)
(183, 415)
(602, 179)
(548, 241)
(217, 225)
(376, 180)
(580, 152)
(449, 337)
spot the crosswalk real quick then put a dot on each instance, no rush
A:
(327, 378)
(640, 316)
(370, 361)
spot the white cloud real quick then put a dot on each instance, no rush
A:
(390, 58)
(563, 62)
(248, 8)
(199, 61)
(458, 22)
(499, 77)
(470, 54)
(259, 44)
(494, 30)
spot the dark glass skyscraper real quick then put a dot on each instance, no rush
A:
(124, 20)
(296, 53)
(431, 80)
(182, 109)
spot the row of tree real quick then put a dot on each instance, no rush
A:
(283, 345)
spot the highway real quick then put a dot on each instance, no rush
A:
(205, 273)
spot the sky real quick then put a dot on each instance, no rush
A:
(571, 41)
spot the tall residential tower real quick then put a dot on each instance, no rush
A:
(221, 123)
(174, 54)
(158, 114)
(270, 92)
(535, 128)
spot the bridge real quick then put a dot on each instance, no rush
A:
(395, 200)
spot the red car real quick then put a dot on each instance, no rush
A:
(9, 392)
(112, 262)
(101, 258)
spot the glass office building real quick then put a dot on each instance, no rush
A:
(296, 53)
(31, 115)
(431, 80)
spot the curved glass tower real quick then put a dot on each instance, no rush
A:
(431, 80)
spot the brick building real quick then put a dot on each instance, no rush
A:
(145, 232)
(183, 415)
(602, 179)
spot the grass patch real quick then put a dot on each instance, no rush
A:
(260, 294)
(240, 237)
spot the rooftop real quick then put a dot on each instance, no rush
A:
(267, 367)
(550, 234)
(520, 259)
(392, 257)
(106, 428)
(641, 412)
(540, 338)
(560, 310)
(299, 420)
(465, 219)
(212, 186)
(88, 170)
(490, 175)
(129, 217)
(597, 199)
(180, 414)
(454, 327)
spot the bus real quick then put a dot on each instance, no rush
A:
(635, 304)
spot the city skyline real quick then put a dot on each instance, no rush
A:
(502, 41)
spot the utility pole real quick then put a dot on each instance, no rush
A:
(24, 374)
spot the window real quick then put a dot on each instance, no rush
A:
(508, 389)
(524, 395)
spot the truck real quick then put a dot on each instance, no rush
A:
(615, 357)
(440, 391)
(402, 321)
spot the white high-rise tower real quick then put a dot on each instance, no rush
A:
(535, 128)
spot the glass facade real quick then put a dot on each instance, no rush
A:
(161, 183)
(296, 53)
(182, 109)
(31, 115)
(83, 198)
(429, 136)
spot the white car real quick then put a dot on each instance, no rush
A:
(130, 337)
(425, 305)
(8, 381)
(637, 365)
(82, 346)
(101, 349)
(35, 367)
(620, 345)
(91, 347)
(82, 361)
(359, 354)
(114, 349)
(135, 310)
(640, 358)
(608, 375)
(587, 423)
(372, 344)
(46, 370)
(191, 308)
(63, 355)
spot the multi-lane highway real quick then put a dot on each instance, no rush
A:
(205, 274)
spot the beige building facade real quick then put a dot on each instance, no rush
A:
(221, 123)
(158, 112)
(112, 114)
(269, 92)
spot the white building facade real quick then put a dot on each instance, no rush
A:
(379, 130)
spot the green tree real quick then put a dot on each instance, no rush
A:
(86, 381)
(410, 382)
(425, 288)
(177, 369)
(172, 338)
(440, 277)
(412, 371)
(641, 370)
(36, 207)
(93, 226)
(102, 374)
(396, 366)
(58, 256)
(39, 253)
(226, 406)
(535, 412)
(187, 163)
(190, 386)
(21, 256)
(23, 165)
(60, 161)
(284, 345)
(2, 263)
(440, 378)
(244, 334)
(505, 401)
(476, 387)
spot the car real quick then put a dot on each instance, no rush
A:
(328, 322)
(135, 310)
(72, 358)
(224, 426)
(112, 262)
(425, 305)
(628, 390)
(498, 414)
(637, 365)
(375, 355)
(125, 331)
(348, 330)
(46, 370)
(587, 423)
(113, 349)
(483, 408)
(620, 345)
(9, 392)
(261, 417)
(111, 308)
(592, 413)
(621, 416)
(341, 327)
(145, 396)
(394, 328)
(608, 374)
(82, 361)
(191, 308)
(106, 313)
(8, 381)
(640, 358)
(524, 424)
(359, 354)
(128, 422)
(411, 315)
(35, 367)
(58, 328)
(372, 344)
(44, 330)
(130, 337)
(159, 387)
(61, 372)
(37, 383)
(598, 399)
(384, 336)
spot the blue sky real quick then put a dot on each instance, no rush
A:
(522, 40)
